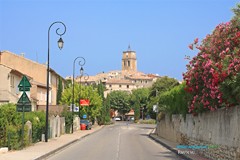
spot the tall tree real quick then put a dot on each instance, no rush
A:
(104, 116)
(236, 11)
(139, 99)
(160, 86)
(119, 100)
(85, 92)
(59, 91)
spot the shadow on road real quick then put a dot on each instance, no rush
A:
(144, 134)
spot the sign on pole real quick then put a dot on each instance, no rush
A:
(84, 102)
(24, 84)
(76, 109)
(85, 116)
(24, 104)
(155, 108)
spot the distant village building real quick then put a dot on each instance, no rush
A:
(127, 79)
(13, 67)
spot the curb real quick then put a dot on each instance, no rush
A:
(168, 147)
(65, 146)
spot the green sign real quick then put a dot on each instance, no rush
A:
(24, 99)
(25, 108)
(24, 84)
(24, 104)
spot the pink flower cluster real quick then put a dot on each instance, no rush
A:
(217, 59)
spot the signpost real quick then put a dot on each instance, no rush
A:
(84, 116)
(84, 102)
(24, 104)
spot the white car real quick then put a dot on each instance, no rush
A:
(117, 119)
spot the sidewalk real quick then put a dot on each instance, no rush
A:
(42, 150)
(189, 154)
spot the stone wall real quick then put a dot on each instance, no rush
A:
(219, 130)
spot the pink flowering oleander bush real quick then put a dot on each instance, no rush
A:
(213, 74)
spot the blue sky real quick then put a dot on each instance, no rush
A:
(100, 30)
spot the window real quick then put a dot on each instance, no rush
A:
(110, 85)
(127, 86)
(12, 81)
(128, 63)
(120, 86)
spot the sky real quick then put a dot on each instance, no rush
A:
(159, 31)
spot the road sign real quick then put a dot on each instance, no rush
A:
(24, 99)
(84, 102)
(76, 109)
(84, 116)
(25, 108)
(24, 84)
(155, 108)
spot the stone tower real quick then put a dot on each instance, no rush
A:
(129, 60)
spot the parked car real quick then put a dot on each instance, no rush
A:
(87, 123)
(131, 119)
(117, 119)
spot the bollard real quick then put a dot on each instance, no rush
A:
(43, 137)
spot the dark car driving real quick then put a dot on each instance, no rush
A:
(87, 123)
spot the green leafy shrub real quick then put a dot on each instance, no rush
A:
(11, 126)
(231, 90)
(147, 121)
(10, 122)
(38, 124)
(68, 119)
(174, 101)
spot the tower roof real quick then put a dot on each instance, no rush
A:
(128, 50)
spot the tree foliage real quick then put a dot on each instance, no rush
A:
(162, 85)
(236, 11)
(83, 92)
(68, 119)
(139, 100)
(174, 101)
(59, 91)
(119, 100)
(104, 116)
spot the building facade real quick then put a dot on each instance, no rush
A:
(13, 67)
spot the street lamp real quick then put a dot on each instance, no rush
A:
(85, 78)
(60, 45)
(81, 63)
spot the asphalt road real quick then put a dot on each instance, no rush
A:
(117, 142)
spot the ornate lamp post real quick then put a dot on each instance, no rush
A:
(85, 78)
(60, 45)
(81, 63)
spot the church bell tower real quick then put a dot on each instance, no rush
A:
(129, 60)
